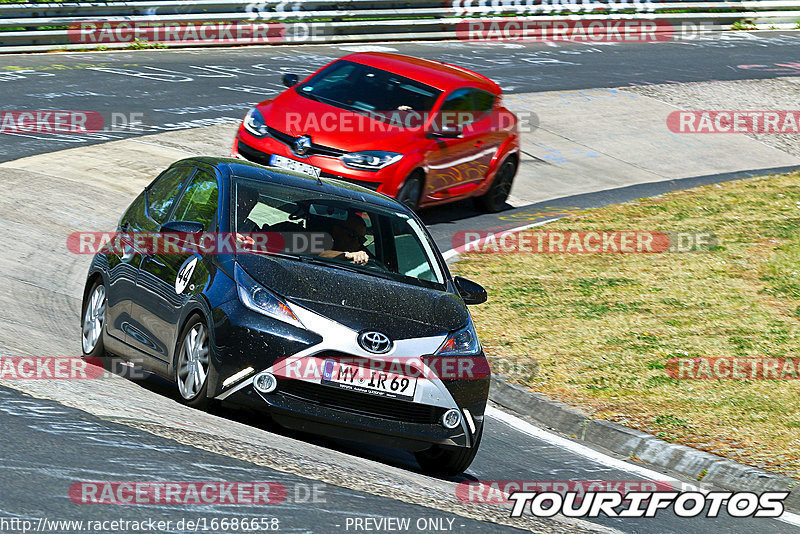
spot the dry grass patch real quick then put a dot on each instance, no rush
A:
(596, 330)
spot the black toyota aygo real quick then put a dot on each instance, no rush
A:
(360, 334)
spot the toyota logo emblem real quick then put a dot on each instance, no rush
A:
(302, 145)
(375, 342)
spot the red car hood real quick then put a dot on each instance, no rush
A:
(331, 126)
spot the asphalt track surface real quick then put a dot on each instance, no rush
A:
(47, 446)
(180, 88)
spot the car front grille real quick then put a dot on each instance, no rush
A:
(316, 150)
(360, 403)
(256, 156)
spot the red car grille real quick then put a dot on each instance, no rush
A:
(316, 150)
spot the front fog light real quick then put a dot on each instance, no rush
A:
(265, 382)
(451, 419)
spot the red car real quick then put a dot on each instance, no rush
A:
(421, 131)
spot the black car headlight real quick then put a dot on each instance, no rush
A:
(464, 342)
(370, 160)
(259, 299)
(255, 124)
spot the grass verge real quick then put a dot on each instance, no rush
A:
(596, 330)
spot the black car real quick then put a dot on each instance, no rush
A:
(232, 325)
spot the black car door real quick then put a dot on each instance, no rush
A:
(160, 198)
(144, 215)
(122, 267)
(168, 279)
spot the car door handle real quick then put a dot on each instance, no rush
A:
(478, 144)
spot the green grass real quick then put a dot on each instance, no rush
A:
(596, 330)
(742, 25)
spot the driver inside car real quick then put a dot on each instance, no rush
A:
(349, 237)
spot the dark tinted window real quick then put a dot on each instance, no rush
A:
(135, 217)
(163, 194)
(484, 102)
(199, 201)
(465, 106)
(459, 100)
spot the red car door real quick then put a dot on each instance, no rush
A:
(458, 166)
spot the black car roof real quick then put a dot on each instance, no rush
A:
(230, 168)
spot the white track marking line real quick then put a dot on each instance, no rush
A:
(564, 443)
(596, 456)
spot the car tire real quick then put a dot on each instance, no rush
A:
(448, 461)
(495, 198)
(93, 321)
(193, 364)
(411, 190)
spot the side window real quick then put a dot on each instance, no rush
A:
(484, 102)
(161, 196)
(199, 201)
(411, 259)
(135, 218)
(459, 108)
(459, 100)
(410, 255)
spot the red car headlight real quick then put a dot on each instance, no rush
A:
(370, 160)
(255, 124)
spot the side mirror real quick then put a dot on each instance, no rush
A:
(446, 132)
(471, 292)
(290, 80)
(182, 227)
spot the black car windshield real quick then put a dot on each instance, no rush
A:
(382, 95)
(333, 231)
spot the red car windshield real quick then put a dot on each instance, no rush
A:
(382, 95)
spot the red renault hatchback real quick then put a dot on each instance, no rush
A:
(421, 131)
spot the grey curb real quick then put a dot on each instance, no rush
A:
(628, 442)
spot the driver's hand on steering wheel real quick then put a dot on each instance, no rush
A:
(359, 257)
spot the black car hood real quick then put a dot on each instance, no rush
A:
(359, 301)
